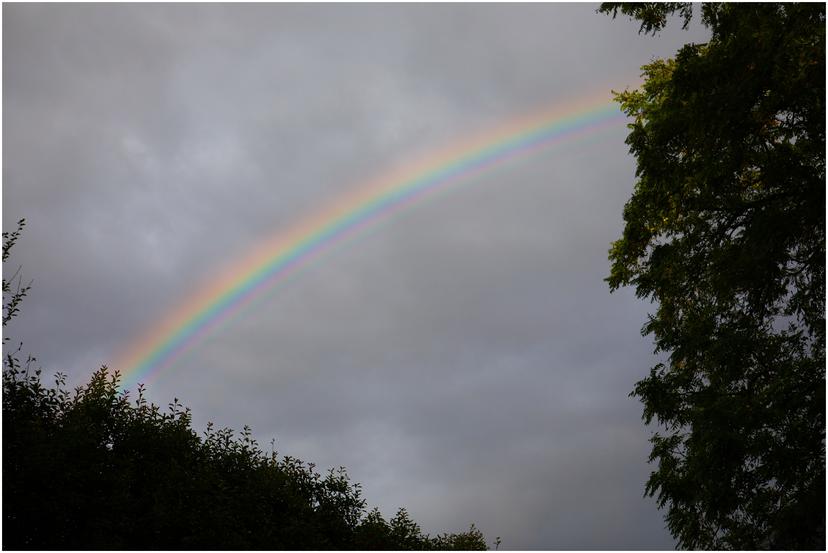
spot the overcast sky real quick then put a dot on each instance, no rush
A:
(465, 359)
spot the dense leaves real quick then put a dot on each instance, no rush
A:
(725, 231)
(94, 469)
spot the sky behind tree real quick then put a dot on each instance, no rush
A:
(463, 359)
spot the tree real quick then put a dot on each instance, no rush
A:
(12, 299)
(94, 470)
(725, 232)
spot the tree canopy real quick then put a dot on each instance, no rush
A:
(725, 232)
(94, 469)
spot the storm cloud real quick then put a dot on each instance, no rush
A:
(464, 359)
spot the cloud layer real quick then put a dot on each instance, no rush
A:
(464, 359)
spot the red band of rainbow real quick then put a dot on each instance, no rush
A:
(274, 259)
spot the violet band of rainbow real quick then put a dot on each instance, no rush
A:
(281, 255)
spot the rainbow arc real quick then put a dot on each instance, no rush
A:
(277, 257)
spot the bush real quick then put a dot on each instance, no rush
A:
(94, 470)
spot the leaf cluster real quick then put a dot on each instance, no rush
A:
(13, 288)
(91, 469)
(725, 232)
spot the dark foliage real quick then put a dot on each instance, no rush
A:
(94, 469)
(725, 231)
(12, 299)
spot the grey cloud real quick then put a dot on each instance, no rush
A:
(463, 359)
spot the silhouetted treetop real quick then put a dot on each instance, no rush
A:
(725, 232)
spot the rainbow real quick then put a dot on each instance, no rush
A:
(274, 259)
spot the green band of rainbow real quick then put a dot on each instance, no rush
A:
(274, 259)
